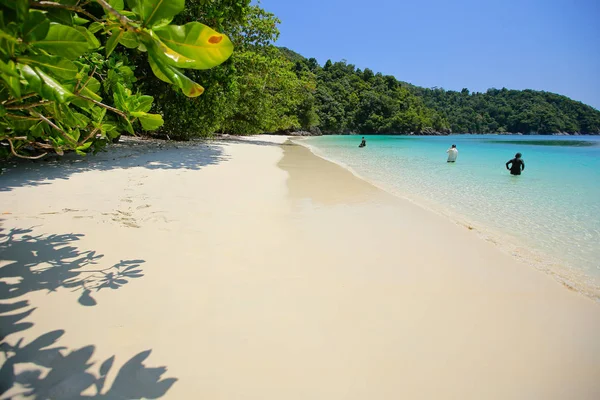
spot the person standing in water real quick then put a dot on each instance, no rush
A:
(452, 153)
(517, 165)
(363, 143)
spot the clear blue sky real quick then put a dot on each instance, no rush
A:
(551, 45)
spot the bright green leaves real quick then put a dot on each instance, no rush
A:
(11, 77)
(136, 106)
(63, 41)
(172, 75)
(149, 122)
(117, 4)
(129, 40)
(43, 84)
(56, 87)
(58, 66)
(126, 38)
(93, 42)
(36, 26)
(113, 40)
(156, 12)
(194, 45)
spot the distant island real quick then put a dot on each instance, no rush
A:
(350, 100)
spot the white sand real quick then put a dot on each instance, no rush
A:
(269, 278)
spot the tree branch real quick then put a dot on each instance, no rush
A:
(116, 111)
(53, 125)
(52, 4)
(27, 96)
(28, 106)
(22, 117)
(14, 153)
(86, 82)
(123, 20)
(89, 136)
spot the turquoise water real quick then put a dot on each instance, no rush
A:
(549, 216)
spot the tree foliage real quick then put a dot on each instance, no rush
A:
(64, 87)
(350, 100)
(257, 90)
(524, 111)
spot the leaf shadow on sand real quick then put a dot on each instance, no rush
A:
(41, 368)
(51, 262)
(152, 156)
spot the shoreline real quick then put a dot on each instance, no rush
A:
(506, 243)
(252, 268)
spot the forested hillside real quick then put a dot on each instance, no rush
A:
(351, 100)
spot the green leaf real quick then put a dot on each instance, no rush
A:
(109, 130)
(36, 26)
(91, 89)
(156, 12)
(37, 130)
(93, 85)
(74, 134)
(144, 103)
(60, 16)
(126, 124)
(84, 146)
(58, 66)
(51, 89)
(34, 82)
(63, 41)
(129, 40)
(118, 5)
(13, 83)
(80, 21)
(119, 96)
(45, 85)
(149, 122)
(194, 45)
(113, 40)
(172, 75)
(9, 68)
(95, 27)
(93, 42)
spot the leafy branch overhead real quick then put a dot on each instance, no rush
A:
(62, 85)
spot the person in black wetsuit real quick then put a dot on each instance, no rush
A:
(517, 165)
(363, 143)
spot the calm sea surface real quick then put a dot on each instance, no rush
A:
(549, 216)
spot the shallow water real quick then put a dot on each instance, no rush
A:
(549, 216)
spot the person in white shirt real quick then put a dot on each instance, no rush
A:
(452, 153)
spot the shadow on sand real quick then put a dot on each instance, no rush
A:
(40, 368)
(128, 155)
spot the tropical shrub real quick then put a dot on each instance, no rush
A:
(64, 88)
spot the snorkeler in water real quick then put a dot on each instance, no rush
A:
(516, 165)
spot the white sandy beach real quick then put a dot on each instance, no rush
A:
(251, 269)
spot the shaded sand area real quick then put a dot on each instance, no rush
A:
(251, 269)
